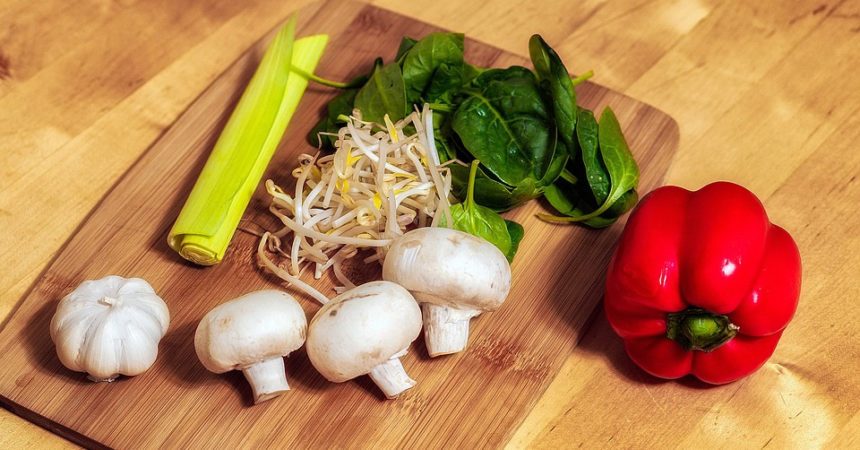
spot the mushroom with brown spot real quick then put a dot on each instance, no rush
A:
(365, 330)
(253, 333)
(454, 275)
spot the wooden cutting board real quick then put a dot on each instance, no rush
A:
(473, 399)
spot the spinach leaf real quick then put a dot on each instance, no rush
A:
(623, 175)
(504, 123)
(342, 104)
(382, 94)
(516, 232)
(554, 78)
(405, 44)
(444, 85)
(423, 60)
(471, 72)
(559, 159)
(486, 224)
(595, 172)
(622, 205)
(619, 162)
(561, 199)
(566, 199)
(481, 221)
(490, 192)
(446, 145)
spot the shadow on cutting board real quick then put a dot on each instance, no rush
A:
(38, 338)
(601, 340)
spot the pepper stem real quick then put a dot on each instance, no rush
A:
(699, 329)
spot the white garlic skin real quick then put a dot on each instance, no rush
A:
(110, 327)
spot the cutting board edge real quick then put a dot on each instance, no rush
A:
(50, 425)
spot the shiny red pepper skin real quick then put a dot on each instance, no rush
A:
(714, 249)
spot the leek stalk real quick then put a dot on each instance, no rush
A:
(218, 199)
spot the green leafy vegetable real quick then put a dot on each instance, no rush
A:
(504, 122)
(619, 165)
(516, 232)
(435, 61)
(384, 93)
(619, 161)
(491, 192)
(622, 168)
(483, 222)
(555, 79)
(595, 172)
(568, 199)
(405, 44)
(524, 127)
(444, 84)
(340, 105)
(556, 165)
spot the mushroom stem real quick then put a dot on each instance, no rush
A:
(268, 379)
(446, 330)
(391, 378)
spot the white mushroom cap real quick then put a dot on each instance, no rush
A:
(450, 268)
(252, 333)
(249, 329)
(361, 329)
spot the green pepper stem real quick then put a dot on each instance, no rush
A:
(699, 329)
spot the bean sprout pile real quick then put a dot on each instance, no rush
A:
(377, 184)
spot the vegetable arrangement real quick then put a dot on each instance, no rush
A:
(524, 127)
(702, 283)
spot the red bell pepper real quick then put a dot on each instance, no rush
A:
(702, 283)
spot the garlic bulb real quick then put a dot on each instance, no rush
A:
(110, 327)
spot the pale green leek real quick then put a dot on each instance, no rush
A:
(212, 212)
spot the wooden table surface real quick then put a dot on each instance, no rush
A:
(766, 94)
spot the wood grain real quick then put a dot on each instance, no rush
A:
(765, 94)
(513, 353)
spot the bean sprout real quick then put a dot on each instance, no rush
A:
(382, 180)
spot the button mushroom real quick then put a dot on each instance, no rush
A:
(364, 331)
(253, 333)
(454, 275)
